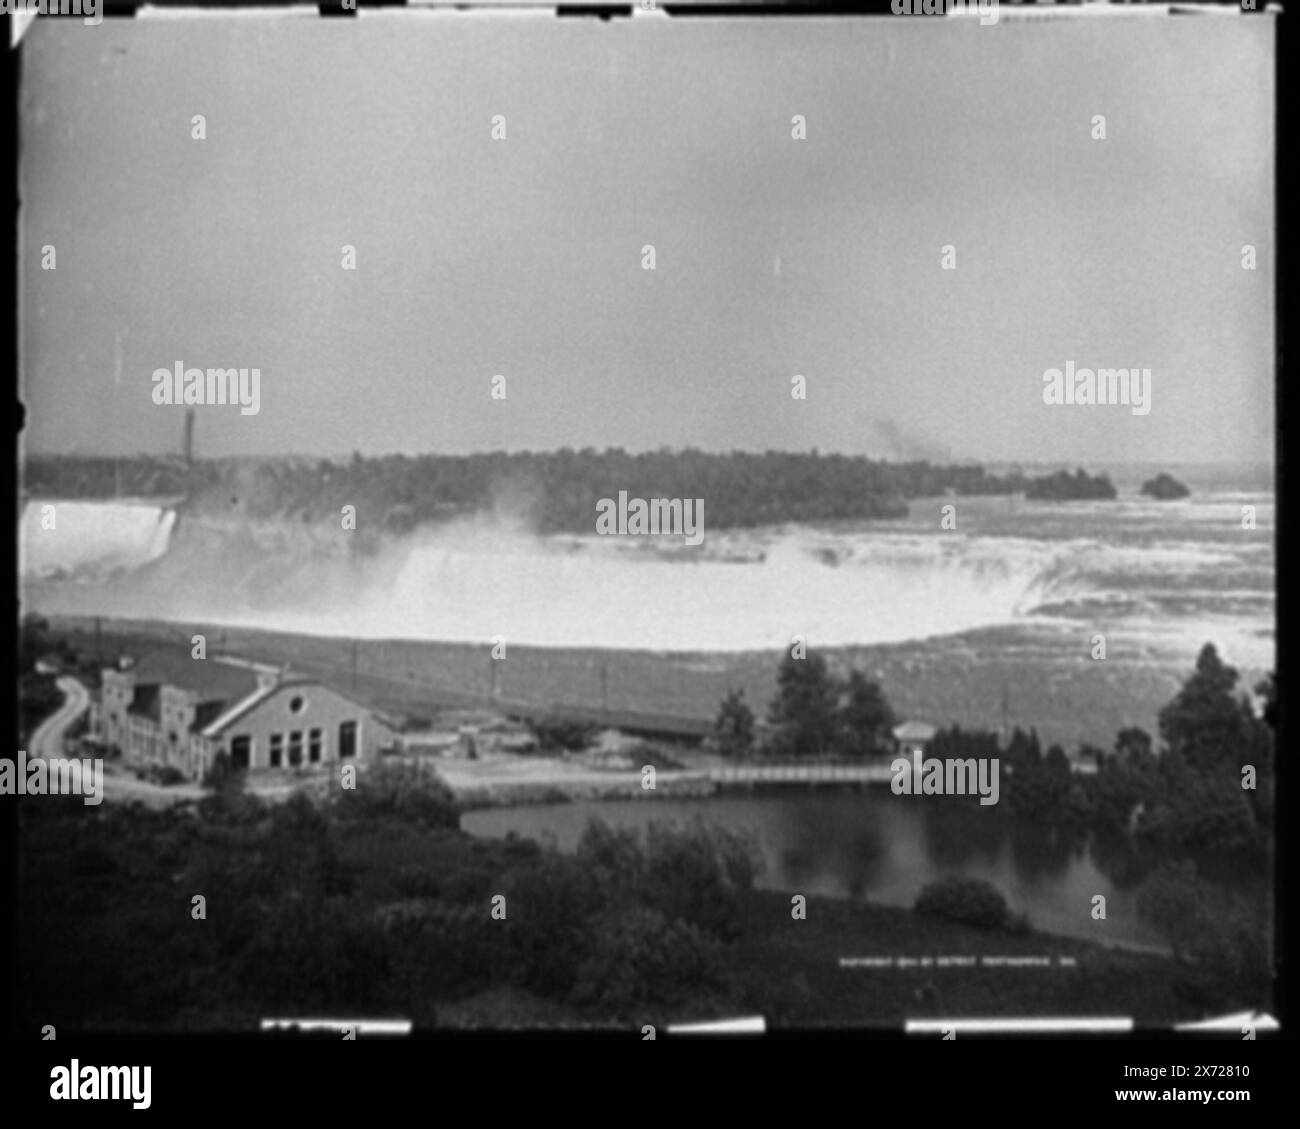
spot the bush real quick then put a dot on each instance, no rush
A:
(563, 734)
(557, 899)
(699, 874)
(407, 792)
(222, 775)
(38, 698)
(444, 951)
(168, 775)
(971, 901)
(641, 960)
(311, 954)
(1219, 936)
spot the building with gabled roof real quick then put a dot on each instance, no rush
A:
(174, 710)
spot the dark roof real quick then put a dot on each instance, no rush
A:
(145, 702)
(206, 714)
(212, 679)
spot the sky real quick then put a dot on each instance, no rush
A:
(522, 257)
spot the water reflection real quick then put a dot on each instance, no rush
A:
(886, 848)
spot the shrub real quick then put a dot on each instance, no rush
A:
(971, 901)
(222, 775)
(556, 733)
(413, 881)
(227, 801)
(557, 899)
(444, 951)
(640, 959)
(168, 775)
(1219, 936)
(699, 873)
(408, 792)
(38, 698)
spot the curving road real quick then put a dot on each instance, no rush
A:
(47, 740)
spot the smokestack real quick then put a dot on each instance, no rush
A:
(189, 437)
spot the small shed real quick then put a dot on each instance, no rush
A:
(912, 736)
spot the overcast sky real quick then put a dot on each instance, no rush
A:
(774, 256)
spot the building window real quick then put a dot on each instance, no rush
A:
(241, 750)
(314, 746)
(295, 706)
(347, 740)
(277, 749)
(295, 748)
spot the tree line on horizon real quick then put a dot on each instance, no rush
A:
(556, 490)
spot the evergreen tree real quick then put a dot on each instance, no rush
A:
(1133, 746)
(734, 728)
(866, 718)
(804, 712)
(1206, 724)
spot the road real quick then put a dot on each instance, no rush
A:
(119, 784)
(47, 740)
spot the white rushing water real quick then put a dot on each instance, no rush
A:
(67, 537)
(1160, 575)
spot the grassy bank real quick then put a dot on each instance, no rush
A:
(1066, 702)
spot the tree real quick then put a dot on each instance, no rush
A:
(228, 800)
(410, 793)
(222, 775)
(1023, 748)
(1220, 937)
(734, 728)
(1206, 723)
(1133, 747)
(641, 959)
(1267, 690)
(866, 718)
(803, 713)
